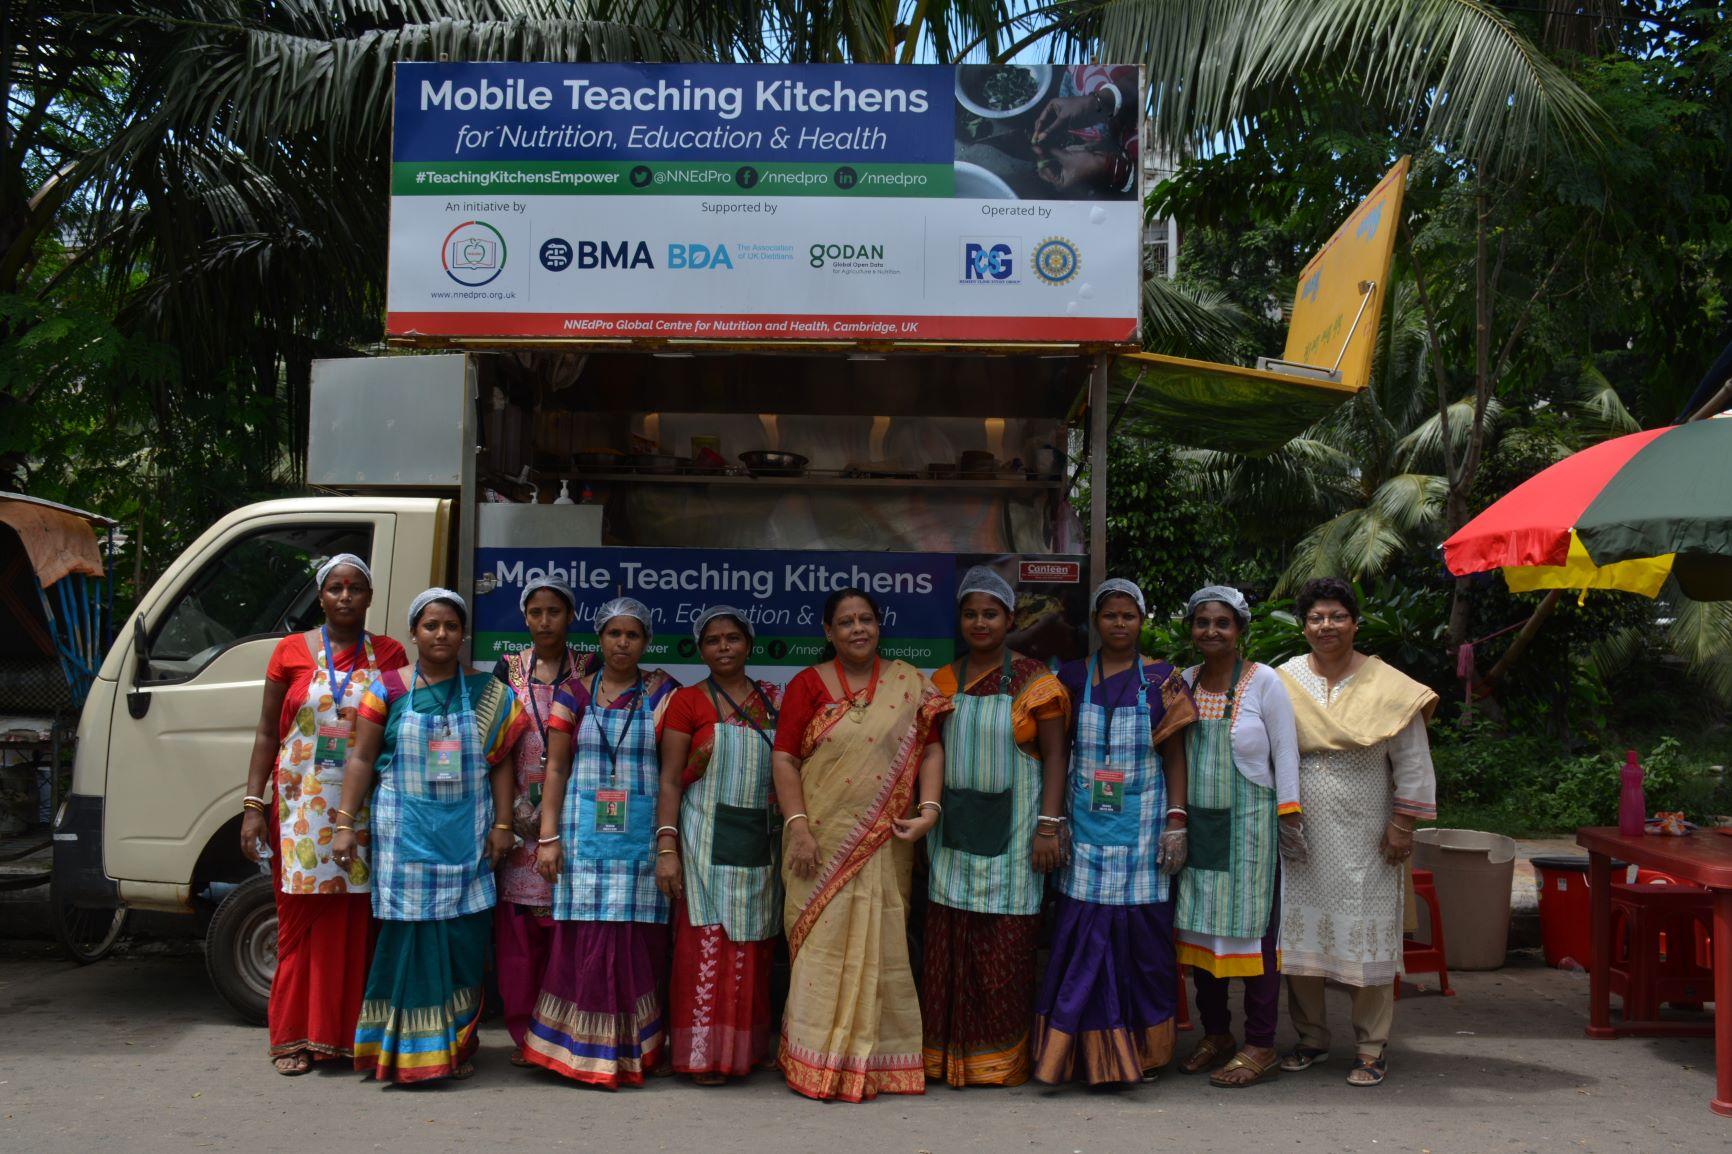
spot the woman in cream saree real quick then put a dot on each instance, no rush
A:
(856, 756)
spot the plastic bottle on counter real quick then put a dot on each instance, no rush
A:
(564, 497)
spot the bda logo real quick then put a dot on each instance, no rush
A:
(988, 260)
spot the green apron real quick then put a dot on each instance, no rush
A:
(1228, 883)
(727, 827)
(981, 846)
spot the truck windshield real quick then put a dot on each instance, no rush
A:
(258, 585)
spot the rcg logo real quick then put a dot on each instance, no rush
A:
(984, 261)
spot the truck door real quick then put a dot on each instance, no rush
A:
(189, 698)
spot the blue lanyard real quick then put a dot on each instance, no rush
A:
(331, 665)
(1089, 686)
(444, 713)
(612, 751)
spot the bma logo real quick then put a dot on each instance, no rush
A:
(988, 260)
(594, 254)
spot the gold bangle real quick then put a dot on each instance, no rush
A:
(345, 813)
(502, 826)
(931, 805)
(796, 817)
(660, 852)
(345, 829)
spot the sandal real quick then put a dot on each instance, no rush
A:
(1303, 1058)
(1368, 1071)
(293, 1065)
(466, 1070)
(1260, 1071)
(709, 1079)
(1209, 1052)
(517, 1059)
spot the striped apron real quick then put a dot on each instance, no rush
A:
(1228, 883)
(729, 832)
(981, 847)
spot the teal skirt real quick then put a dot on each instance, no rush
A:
(422, 1003)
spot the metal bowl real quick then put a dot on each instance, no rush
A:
(772, 461)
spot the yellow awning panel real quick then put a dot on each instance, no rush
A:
(1644, 576)
(1227, 407)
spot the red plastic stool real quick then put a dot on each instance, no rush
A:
(1421, 957)
(1659, 943)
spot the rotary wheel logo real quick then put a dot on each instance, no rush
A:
(473, 254)
(1056, 260)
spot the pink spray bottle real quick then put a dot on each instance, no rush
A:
(1632, 806)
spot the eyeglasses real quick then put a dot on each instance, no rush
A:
(1329, 619)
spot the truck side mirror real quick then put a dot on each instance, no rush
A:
(138, 699)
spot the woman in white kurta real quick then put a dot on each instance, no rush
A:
(1365, 780)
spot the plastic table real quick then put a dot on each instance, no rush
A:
(1704, 859)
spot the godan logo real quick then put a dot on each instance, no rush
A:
(473, 254)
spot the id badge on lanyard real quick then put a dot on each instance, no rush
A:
(331, 747)
(612, 807)
(444, 757)
(331, 743)
(1107, 790)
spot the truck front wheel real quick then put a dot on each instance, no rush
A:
(240, 947)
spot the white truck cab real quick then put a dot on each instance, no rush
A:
(153, 817)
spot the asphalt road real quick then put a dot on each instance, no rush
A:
(138, 1053)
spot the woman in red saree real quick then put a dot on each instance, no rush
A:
(856, 745)
(325, 928)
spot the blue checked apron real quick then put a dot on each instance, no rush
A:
(981, 847)
(431, 813)
(1118, 800)
(608, 820)
(729, 832)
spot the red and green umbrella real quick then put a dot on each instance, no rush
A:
(1623, 514)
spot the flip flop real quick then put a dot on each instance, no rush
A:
(1374, 1069)
(299, 1064)
(1208, 1052)
(1260, 1071)
(1303, 1058)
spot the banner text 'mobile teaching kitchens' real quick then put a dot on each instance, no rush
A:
(764, 202)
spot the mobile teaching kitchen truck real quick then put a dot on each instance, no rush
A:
(694, 334)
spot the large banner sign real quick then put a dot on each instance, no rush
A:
(783, 592)
(860, 203)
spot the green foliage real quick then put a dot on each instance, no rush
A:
(1161, 531)
(1521, 784)
(1402, 624)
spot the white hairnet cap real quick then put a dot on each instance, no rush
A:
(715, 611)
(552, 583)
(1118, 585)
(980, 579)
(428, 596)
(624, 607)
(340, 559)
(1226, 595)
